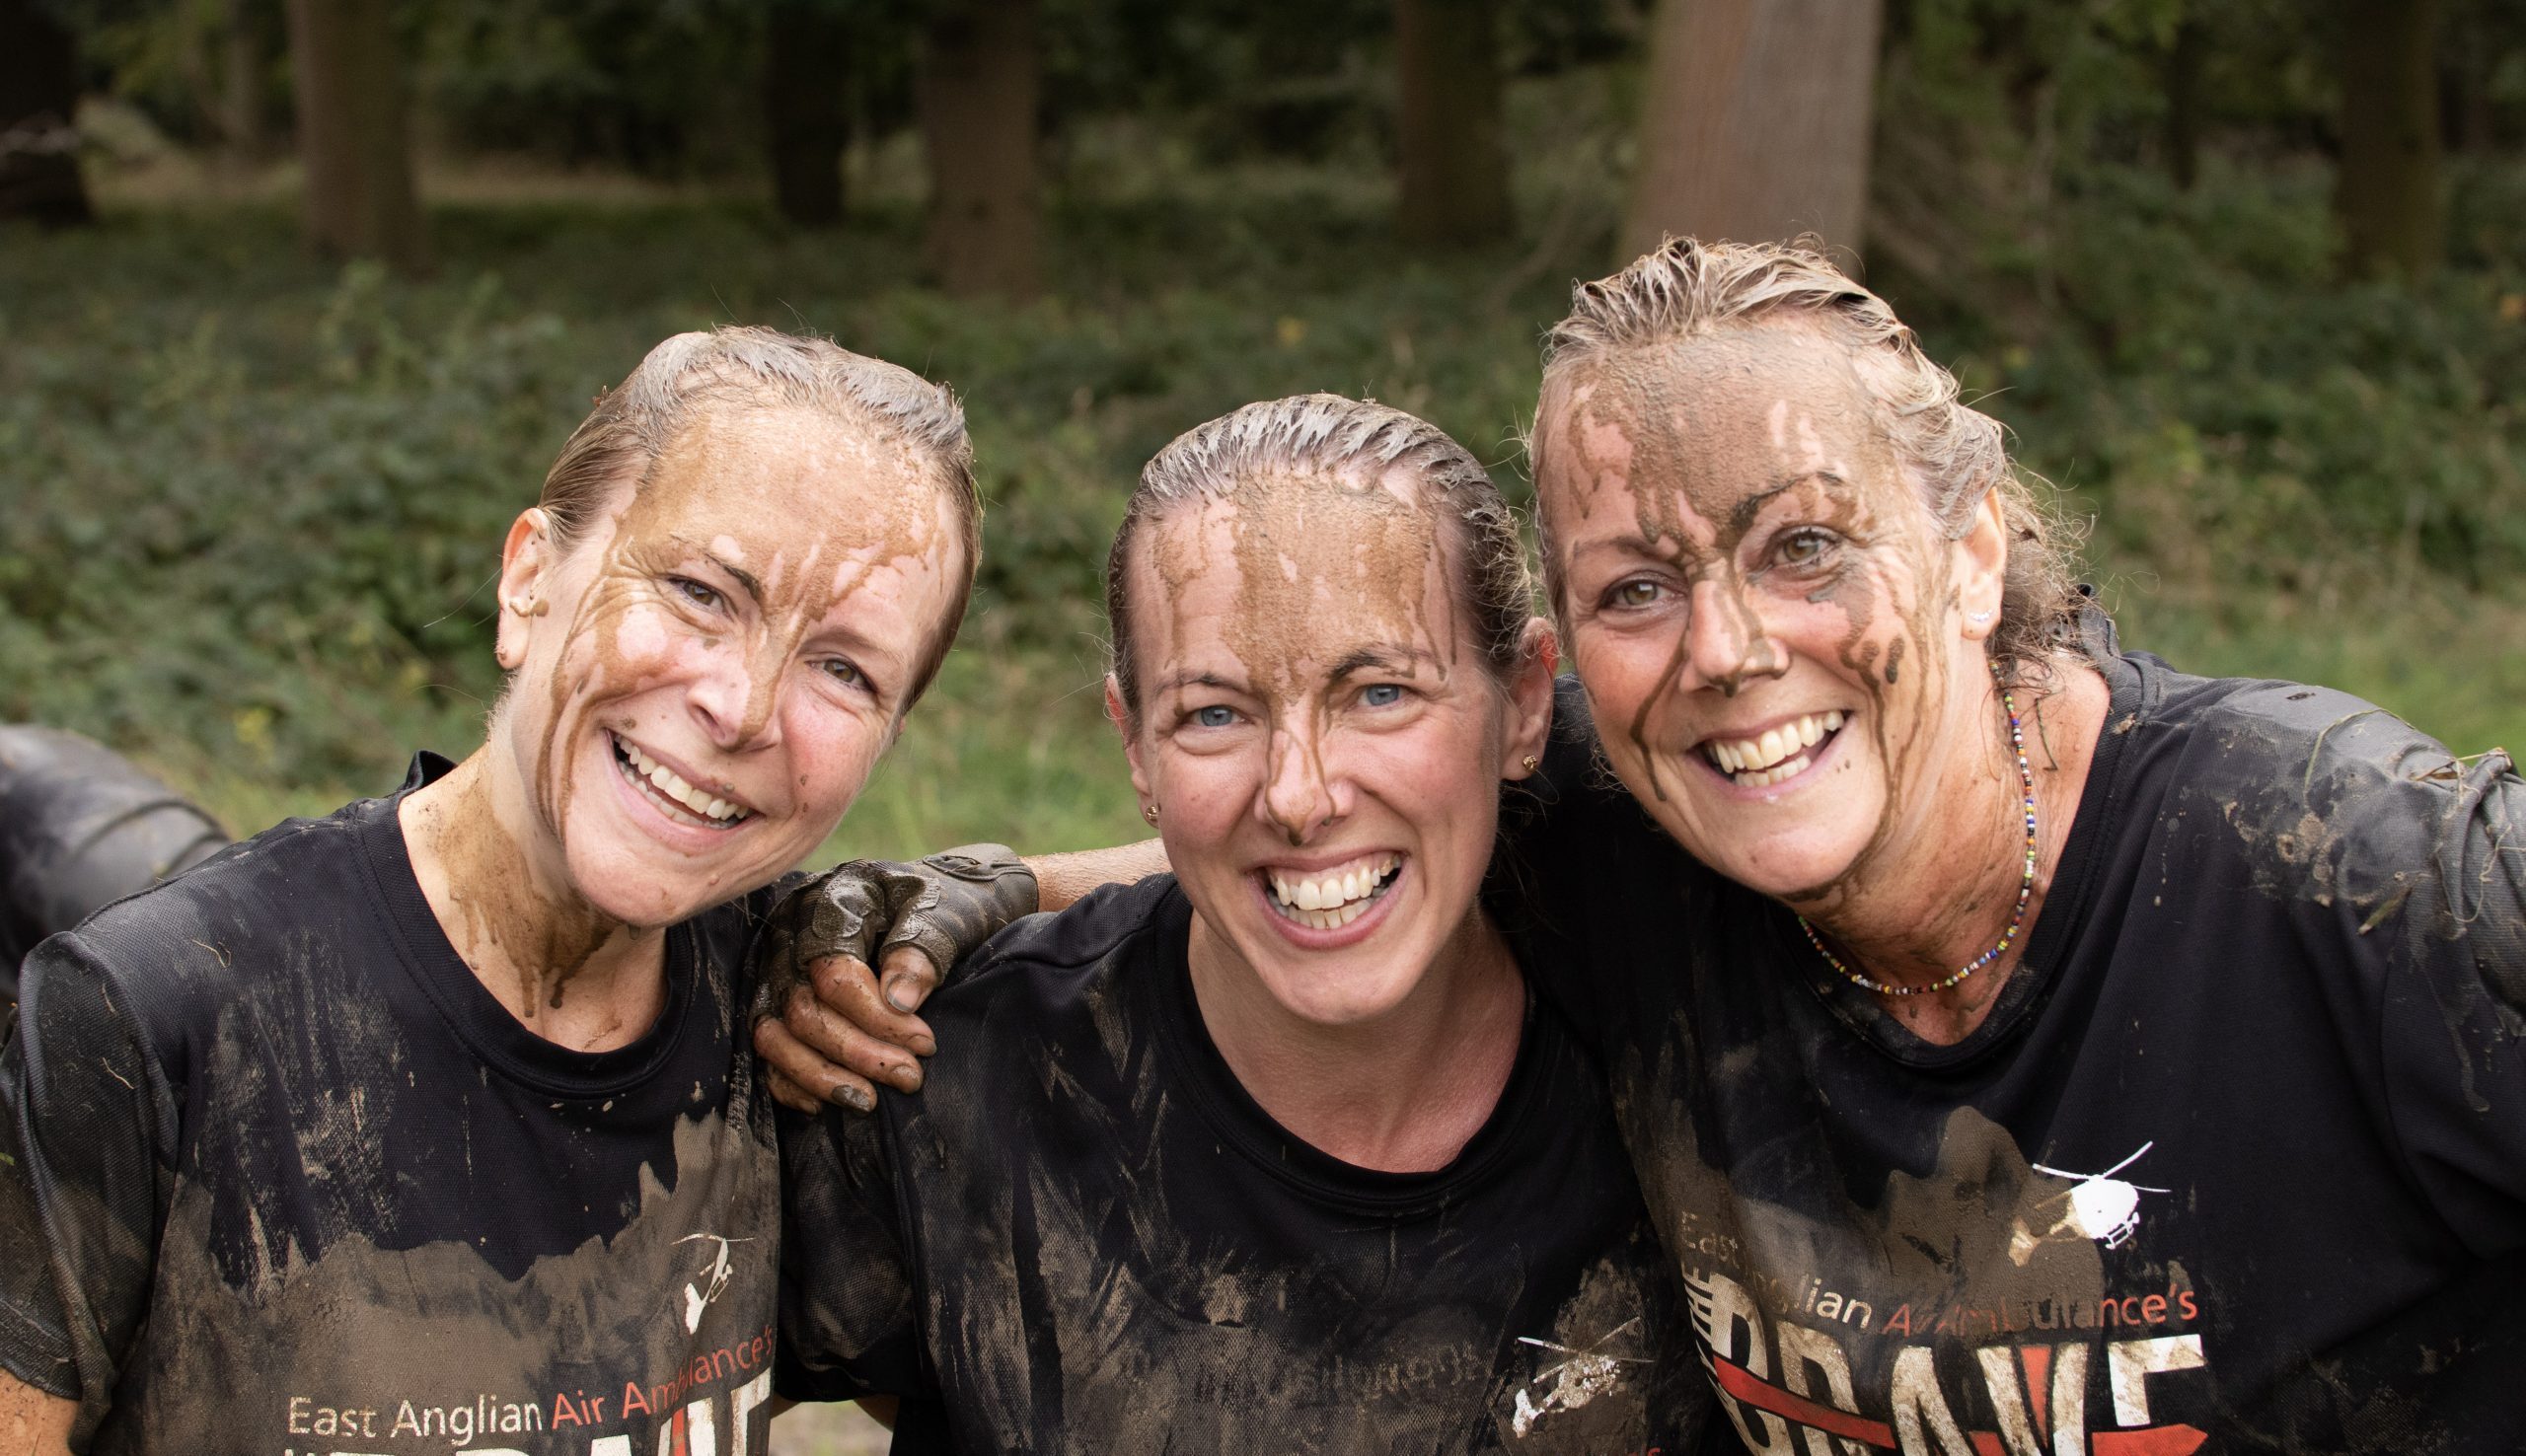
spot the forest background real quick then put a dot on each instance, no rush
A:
(2245, 279)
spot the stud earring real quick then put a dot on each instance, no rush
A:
(1978, 619)
(1530, 762)
(1149, 813)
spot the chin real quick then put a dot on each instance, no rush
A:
(1784, 866)
(1336, 995)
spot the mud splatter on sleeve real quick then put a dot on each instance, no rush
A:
(86, 1141)
(2449, 918)
(847, 1324)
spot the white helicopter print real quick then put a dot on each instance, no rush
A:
(1580, 1378)
(2099, 1206)
(698, 1297)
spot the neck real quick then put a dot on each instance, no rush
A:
(1945, 894)
(1400, 1093)
(572, 974)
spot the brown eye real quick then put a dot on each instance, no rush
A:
(1800, 547)
(1635, 593)
(700, 594)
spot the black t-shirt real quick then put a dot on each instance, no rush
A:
(281, 1175)
(2237, 1161)
(1085, 1235)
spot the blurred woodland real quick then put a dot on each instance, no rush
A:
(299, 297)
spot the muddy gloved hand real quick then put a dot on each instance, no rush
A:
(822, 1025)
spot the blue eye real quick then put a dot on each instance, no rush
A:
(1381, 695)
(1215, 716)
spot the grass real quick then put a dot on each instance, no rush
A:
(254, 500)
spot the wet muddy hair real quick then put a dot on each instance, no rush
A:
(1328, 435)
(633, 423)
(1685, 289)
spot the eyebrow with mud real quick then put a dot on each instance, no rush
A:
(1742, 518)
(1391, 658)
(1173, 680)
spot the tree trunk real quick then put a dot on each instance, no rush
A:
(39, 95)
(360, 200)
(241, 82)
(806, 58)
(2387, 195)
(1756, 122)
(977, 119)
(1452, 186)
(2184, 105)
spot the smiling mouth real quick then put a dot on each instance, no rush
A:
(670, 794)
(1778, 754)
(1329, 899)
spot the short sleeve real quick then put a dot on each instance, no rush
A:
(847, 1320)
(86, 1168)
(2451, 922)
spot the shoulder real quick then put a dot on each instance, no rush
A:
(1102, 923)
(188, 948)
(2269, 759)
(2322, 799)
(1062, 982)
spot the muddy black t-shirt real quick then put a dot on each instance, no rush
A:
(1086, 1236)
(2237, 1163)
(277, 1174)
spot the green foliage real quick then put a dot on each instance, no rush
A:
(253, 502)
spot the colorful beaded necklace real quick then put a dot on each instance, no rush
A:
(2025, 891)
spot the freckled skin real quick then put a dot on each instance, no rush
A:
(752, 616)
(1739, 545)
(1282, 605)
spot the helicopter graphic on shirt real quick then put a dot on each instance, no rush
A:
(2097, 1206)
(713, 1277)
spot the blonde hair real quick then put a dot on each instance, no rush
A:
(1685, 289)
(632, 424)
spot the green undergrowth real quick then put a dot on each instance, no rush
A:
(250, 503)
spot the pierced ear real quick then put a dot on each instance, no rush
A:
(1981, 562)
(1531, 699)
(524, 556)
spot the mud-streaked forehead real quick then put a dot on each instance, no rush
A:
(1706, 423)
(799, 500)
(1298, 570)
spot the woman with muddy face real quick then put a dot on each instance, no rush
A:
(429, 1123)
(1277, 1150)
(2022, 1046)
(2030, 1047)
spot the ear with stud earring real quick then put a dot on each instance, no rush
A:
(1149, 813)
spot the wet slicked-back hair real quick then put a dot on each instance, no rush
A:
(632, 424)
(1685, 289)
(1327, 435)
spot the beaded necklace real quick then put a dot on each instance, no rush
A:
(2025, 892)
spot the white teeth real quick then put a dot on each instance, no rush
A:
(671, 786)
(1331, 900)
(1779, 754)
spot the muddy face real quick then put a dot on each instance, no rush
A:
(1761, 608)
(1321, 733)
(716, 664)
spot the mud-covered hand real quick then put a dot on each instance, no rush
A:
(822, 1025)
